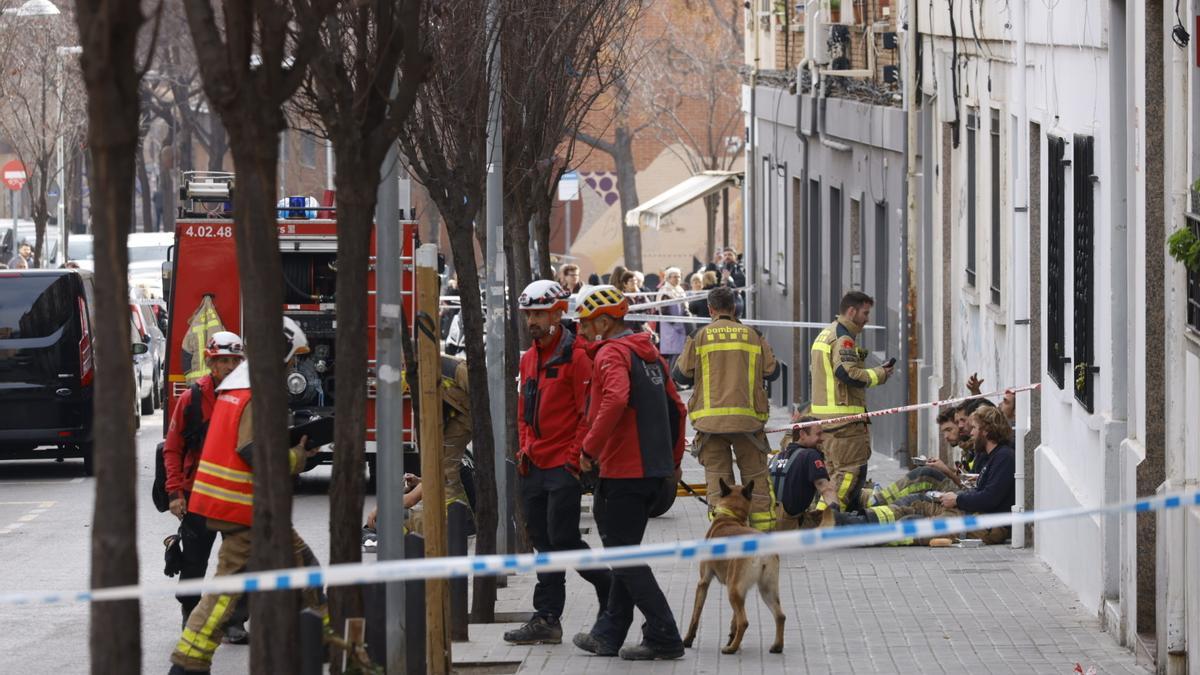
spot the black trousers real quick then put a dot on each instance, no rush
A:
(622, 510)
(551, 499)
(197, 540)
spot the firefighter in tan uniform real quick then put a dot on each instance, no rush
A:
(456, 436)
(728, 362)
(839, 385)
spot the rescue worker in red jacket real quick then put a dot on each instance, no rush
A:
(555, 373)
(181, 456)
(223, 493)
(635, 437)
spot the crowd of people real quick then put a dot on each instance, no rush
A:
(599, 410)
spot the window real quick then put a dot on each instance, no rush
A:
(994, 281)
(972, 176)
(1193, 283)
(767, 250)
(812, 275)
(308, 149)
(1056, 348)
(835, 249)
(882, 275)
(1085, 369)
(779, 251)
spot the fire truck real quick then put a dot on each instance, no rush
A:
(204, 295)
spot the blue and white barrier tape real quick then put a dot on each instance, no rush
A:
(695, 550)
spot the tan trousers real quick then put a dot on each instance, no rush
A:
(205, 626)
(456, 436)
(717, 454)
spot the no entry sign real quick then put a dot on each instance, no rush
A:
(14, 175)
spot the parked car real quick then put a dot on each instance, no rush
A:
(145, 369)
(26, 230)
(157, 343)
(47, 370)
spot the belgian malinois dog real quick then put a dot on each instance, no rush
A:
(732, 518)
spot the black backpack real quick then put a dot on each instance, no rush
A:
(194, 431)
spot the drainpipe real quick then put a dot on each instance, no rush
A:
(1019, 313)
(820, 102)
(751, 185)
(910, 233)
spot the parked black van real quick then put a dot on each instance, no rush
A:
(47, 370)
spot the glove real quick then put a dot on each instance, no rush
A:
(172, 556)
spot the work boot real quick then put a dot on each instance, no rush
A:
(236, 633)
(539, 631)
(646, 652)
(177, 669)
(588, 643)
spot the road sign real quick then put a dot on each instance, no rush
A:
(14, 175)
(568, 186)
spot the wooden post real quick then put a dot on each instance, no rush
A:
(433, 483)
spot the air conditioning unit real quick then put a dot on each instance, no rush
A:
(816, 35)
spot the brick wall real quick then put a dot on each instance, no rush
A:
(876, 16)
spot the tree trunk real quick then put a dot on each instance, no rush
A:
(183, 158)
(459, 228)
(711, 204)
(166, 187)
(143, 179)
(75, 203)
(356, 183)
(540, 224)
(218, 144)
(108, 32)
(41, 212)
(631, 237)
(274, 615)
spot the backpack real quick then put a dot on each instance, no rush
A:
(194, 431)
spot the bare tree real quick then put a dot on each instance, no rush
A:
(252, 61)
(445, 145)
(40, 100)
(689, 70)
(108, 31)
(362, 86)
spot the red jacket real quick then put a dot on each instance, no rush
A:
(554, 383)
(624, 444)
(178, 461)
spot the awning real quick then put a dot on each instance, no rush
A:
(652, 213)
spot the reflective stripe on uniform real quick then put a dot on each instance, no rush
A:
(831, 384)
(226, 473)
(884, 514)
(221, 493)
(201, 646)
(753, 351)
(201, 333)
(874, 378)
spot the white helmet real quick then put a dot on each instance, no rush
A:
(543, 294)
(294, 339)
(225, 343)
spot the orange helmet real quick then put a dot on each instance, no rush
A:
(603, 300)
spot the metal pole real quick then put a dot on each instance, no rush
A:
(389, 398)
(750, 187)
(1019, 316)
(495, 277)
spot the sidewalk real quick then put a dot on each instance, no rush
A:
(989, 610)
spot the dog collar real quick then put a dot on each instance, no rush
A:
(722, 511)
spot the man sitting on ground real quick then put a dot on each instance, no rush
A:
(798, 474)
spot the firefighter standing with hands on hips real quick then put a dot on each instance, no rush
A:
(223, 493)
(181, 456)
(635, 436)
(555, 373)
(727, 363)
(839, 385)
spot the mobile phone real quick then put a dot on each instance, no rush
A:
(890, 362)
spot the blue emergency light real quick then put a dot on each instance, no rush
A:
(298, 208)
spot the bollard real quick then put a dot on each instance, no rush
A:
(312, 642)
(375, 610)
(459, 526)
(414, 547)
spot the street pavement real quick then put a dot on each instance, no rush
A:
(878, 610)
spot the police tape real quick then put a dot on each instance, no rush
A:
(858, 417)
(772, 323)
(796, 541)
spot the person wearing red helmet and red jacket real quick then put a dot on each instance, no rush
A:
(635, 437)
(181, 456)
(555, 373)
